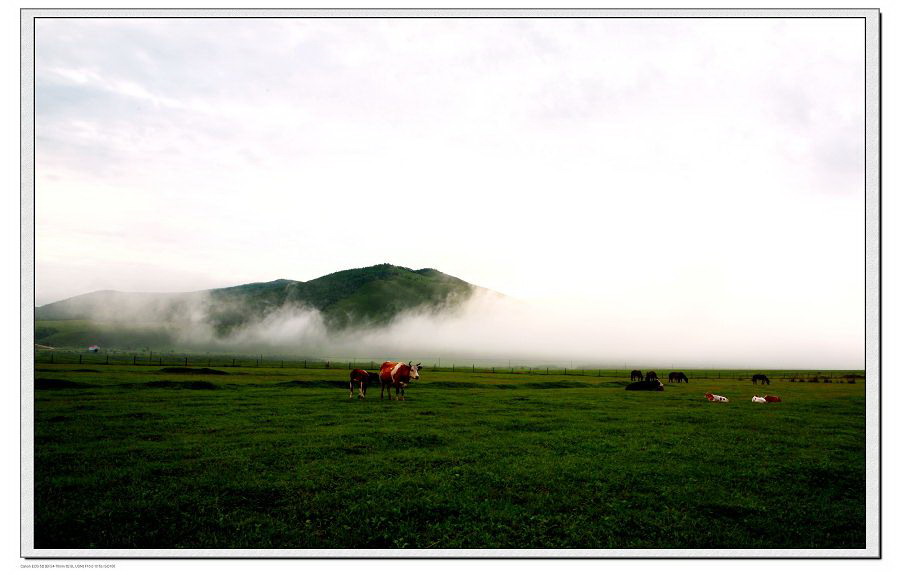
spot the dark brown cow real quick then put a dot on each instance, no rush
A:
(636, 375)
(651, 376)
(396, 374)
(761, 379)
(362, 378)
(677, 377)
(646, 385)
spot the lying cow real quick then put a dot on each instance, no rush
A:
(717, 398)
(362, 378)
(645, 386)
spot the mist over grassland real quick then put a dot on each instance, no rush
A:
(482, 326)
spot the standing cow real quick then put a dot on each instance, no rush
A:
(759, 378)
(651, 376)
(396, 374)
(362, 378)
(677, 377)
(636, 375)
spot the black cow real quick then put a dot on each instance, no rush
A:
(646, 385)
(636, 375)
(651, 376)
(677, 377)
(760, 378)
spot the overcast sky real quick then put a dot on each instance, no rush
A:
(670, 171)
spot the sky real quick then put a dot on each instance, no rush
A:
(683, 175)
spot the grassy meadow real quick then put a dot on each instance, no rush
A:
(142, 457)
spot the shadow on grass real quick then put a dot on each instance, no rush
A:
(321, 383)
(166, 384)
(527, 385)
(50, 384)
(193, 370)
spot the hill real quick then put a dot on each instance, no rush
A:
(359, 298)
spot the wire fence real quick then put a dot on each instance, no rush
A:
(483, 367)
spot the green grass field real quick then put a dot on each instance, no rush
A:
(134, 457)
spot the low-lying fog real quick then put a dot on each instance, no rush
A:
(493, 330)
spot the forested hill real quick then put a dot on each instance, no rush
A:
(363, 297)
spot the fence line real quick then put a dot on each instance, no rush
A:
(260, 361)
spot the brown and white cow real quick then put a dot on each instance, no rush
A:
(396, 374)
(362, 378)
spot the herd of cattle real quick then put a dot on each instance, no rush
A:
(651, 382)
(674, 377)
(397, 375)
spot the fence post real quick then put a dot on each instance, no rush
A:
(51, 358)
(107, 359)
(232, 362)
(133, 360)
(79, 358)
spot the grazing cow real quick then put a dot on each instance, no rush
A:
(396, 374)
(636, 375)
(677, 377)
(362, 378)
(651, 376)
(761, 379)
(645, 386)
